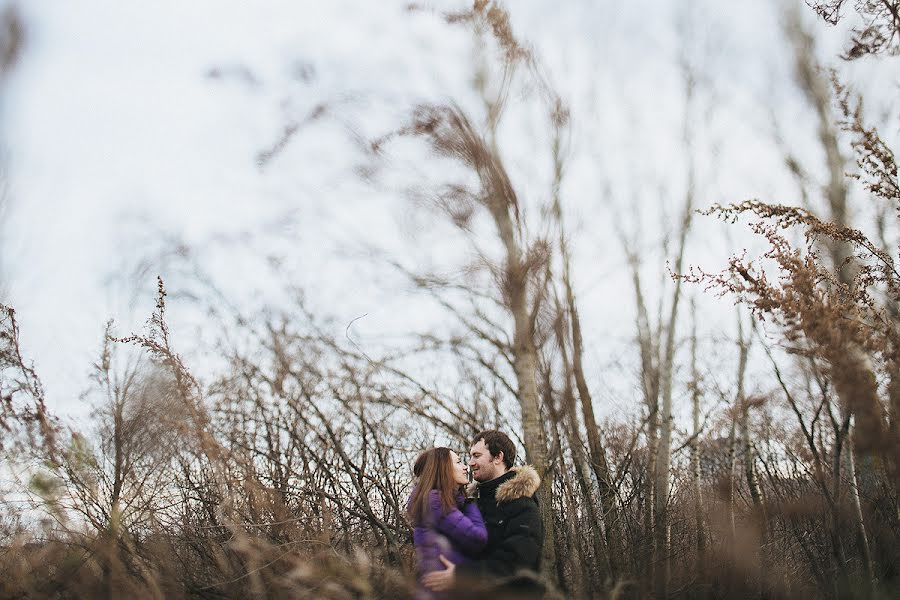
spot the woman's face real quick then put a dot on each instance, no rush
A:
(459, 469)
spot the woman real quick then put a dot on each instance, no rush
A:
(444, 522)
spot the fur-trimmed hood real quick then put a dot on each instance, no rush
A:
(524, 483)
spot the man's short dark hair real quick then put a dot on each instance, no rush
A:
(497, 442)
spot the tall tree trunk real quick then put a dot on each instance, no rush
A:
(502, 203)
(579, 563)
(732, 475)
(599, 465)
(666, 364)
(525, 363)
(862, 541)
(598, 462)
(894, 425)
(533, 435)
(661, 486)
(749, 457)
(699, 527)
(649, 356)
(749, 463)
(737, 423)
(602, 554)
(837, 513)
(739, 401)
(664, 450)
(650, 494)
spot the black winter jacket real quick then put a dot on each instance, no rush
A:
(515, 532)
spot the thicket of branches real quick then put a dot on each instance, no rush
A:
(287, 474)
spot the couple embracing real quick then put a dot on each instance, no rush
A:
(482, 538)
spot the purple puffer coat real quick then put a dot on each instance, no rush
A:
(459, 535)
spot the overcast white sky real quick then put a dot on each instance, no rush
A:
(128, 125)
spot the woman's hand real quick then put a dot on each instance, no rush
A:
(441, 581)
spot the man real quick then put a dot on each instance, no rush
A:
(515, 533)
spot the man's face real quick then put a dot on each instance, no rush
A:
(484, 466)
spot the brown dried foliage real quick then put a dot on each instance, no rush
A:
(821, 316)
(877, 164)
(491, 15)
(261, 490)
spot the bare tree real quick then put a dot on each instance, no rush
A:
(694, 442)
(657, 352)
(611, 521)
(520, 275)
(814, 296)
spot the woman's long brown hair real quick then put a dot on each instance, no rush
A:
(433, 471)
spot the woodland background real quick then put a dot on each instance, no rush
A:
(758, 460)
